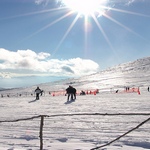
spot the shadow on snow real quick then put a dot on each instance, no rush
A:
(69, 102)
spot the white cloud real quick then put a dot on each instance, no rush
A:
(38, 2)
(28, 62)
(129, 2)
(44, 2)
(5, 75)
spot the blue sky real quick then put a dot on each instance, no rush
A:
(46, 40)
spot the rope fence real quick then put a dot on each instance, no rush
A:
(63, 92)
(46, 93)
(82, 114)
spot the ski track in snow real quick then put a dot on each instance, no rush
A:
(75, 132)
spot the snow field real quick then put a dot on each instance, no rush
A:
(75, 132)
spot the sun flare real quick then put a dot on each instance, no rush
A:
(86, 7)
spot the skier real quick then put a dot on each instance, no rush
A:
(82, 93)
(74, 93)
(38, 92)
(69, 92)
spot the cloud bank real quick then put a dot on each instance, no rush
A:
(29, 63)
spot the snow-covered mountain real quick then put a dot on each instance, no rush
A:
(132, 74)
(84, 132)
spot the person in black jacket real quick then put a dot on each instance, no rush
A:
(37, 92)
(74, 92)
(71, 92)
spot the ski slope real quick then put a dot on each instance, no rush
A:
(84, 130)
(75, 132)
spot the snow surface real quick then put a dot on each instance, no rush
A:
(80, 132)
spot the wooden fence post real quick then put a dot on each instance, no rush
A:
(41, 132)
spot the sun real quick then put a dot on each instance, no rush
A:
(86, 7)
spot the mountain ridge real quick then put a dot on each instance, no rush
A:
(134, 74)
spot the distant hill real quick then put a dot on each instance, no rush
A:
(135, 74)
(132, 74)
(2, 89)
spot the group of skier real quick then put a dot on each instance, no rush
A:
(70, 92)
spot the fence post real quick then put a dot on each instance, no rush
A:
(41, 132)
